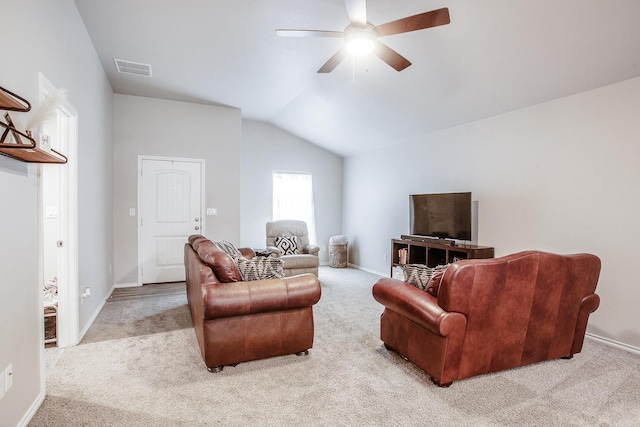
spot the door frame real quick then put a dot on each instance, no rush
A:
(68, 296)
(141, 159)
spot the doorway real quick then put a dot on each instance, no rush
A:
(57, 193)
(170, 201)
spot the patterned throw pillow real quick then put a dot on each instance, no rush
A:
(419, 275)
(288, 245)
(228, 248)
(260, 267)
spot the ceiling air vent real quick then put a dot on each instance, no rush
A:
(135, 68)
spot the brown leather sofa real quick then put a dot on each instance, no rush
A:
(491, 314)
(238, 321)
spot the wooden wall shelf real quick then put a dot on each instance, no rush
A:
(11, 102)
(24, 151)
(32, 154)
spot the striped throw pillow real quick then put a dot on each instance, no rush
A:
(259, 268)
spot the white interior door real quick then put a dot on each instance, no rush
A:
(170, 211)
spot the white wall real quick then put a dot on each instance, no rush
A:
(49, 37)
(561, 177)
(266, 148)
(155, 127)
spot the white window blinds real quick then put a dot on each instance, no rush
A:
(293, 199)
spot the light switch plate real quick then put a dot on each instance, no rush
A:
(212, 211)
(51, 212)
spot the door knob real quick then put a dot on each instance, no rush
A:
(197, 227)
(197, 219)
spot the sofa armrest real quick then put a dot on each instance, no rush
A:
(275, 252)
(260, 296)
(248, 253)
(417, 306)
(589, 304)
(311, 249)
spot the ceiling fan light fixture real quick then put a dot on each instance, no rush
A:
(361, 36)
(360, 42)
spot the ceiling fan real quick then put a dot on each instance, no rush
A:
(361, 37)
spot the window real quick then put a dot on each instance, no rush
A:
(293, 199)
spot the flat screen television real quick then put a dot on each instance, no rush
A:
(441, 215)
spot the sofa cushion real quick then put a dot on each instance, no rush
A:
(299, 261)
(222, 265)
(433, 286)
(260, 268)
(197, 240)
(420, 276)
(288, 245)
(195, 237)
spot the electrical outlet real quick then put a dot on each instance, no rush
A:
(8, 378)
(384, 257)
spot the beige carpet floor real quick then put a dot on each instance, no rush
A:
(139, 365)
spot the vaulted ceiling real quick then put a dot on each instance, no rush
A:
(495, 56)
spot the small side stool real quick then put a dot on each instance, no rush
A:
(338, 251)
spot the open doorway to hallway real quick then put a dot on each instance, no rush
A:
(57, 193)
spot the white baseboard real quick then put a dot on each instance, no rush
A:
(24, 422)
(126, 285)
(613, 343)
(368, 270)
(93, 317)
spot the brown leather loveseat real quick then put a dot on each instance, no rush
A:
(237, 321)
(491, 314)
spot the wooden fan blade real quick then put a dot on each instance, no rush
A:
(416, 22)
(357, 10)
(334, 61)
(391, 57)
(308, 33)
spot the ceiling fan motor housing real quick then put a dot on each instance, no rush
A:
(360, 40)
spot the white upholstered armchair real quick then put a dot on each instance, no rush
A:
(289, 240)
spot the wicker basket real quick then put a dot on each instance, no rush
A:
(338, 251)
(50, 326)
